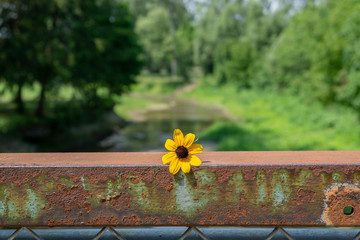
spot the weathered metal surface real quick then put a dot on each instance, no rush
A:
(229, 189)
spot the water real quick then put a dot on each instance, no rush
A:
(150, 127)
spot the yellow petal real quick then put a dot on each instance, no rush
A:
(170, 145)
(189, 139)
(185, 167)
(195, 148)
(174, 166)
(168, 157)
(178, 137)
(195, 161)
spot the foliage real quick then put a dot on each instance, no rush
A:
(310, 58)
(104, 46)
(270, 121)
(349, 90)
(88, 44)
(166, 35)
(154, 30)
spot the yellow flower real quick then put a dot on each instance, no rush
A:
(182, 152)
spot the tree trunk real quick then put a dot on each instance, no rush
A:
(19, 101)
(174, 62)
(40, 107)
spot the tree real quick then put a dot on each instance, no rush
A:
(104, 49)
(32, 46)
(232, 36)
(153, 30)
(88, 44)
(348, 90)
(165, 33)
(16, 56)
(307, 57)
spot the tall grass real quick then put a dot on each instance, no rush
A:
(272, 121)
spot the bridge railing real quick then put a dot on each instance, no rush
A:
(277, 189)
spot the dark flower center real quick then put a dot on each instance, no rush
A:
(182, 152)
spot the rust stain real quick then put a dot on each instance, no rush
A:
(304, 196)
(144, 174)
(250, 173)
(152, 221)
(61, 222)
(121, 201)
(131, 220)
(337, 198)
(242, 197)
(68, 198)
(134, 179)
(218, 216)
(224, 174)
(104, 221)
(120, 193)
(176, 220)
(164, 179)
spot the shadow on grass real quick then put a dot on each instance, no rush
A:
(232, 137)
(66, 126)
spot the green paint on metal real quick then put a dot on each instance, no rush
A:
(235, 186)
(96, 198)
(337, 176)
(3, 201)
(303, 178)
(190, 199)
(68, 182)
(357, 176)
(12, 199)
(261, 187)
(136, 191)
(83, 183)
(280, 188)
(13, 211)
(184, 198)
(204, 177)
(33, 205)
(46, 184)
(278, 195)
(110, 192)
(325, 178)
(262, 194)
(205, 190)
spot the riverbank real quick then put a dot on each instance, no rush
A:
(272, 121)
(224, 118)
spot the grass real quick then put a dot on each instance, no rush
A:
(153, 85)
(271, 121)
(266, 120)
(126, 103)
(68, 120)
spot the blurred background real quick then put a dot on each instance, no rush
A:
(121, 75)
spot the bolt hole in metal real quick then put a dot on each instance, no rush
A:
(348, 210)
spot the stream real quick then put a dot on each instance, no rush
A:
(149, 128)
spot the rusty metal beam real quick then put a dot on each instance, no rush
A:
(229, 189)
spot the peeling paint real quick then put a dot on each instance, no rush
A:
(13, 211)
(336, 197)
(304, 176)
(261, 184)
(337, 177)
(184, 198)
(3, 201)
(33, 204)
(243, 196)
(280, 188)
